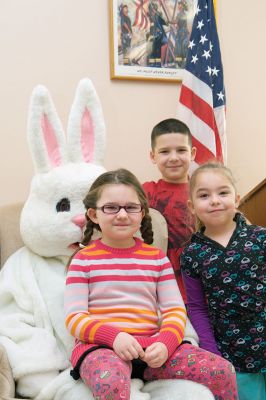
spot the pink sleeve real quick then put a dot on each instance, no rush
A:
(77, 318)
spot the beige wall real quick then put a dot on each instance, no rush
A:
(58, 42)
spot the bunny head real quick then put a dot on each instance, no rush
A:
(53, 216)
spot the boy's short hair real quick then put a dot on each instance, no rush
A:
(170, 125)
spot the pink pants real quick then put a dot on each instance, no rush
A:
(109, 377)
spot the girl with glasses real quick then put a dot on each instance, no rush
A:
(123, 305)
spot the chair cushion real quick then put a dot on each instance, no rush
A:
(10, 239)
(7, 387)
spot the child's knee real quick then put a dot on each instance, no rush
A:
(106, 375)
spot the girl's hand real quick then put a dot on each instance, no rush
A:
(127, 347)
(156, 355)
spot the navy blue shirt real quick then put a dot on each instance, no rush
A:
(233, 281)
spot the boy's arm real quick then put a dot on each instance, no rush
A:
(198, 313)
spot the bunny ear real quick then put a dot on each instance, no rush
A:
(46, 137)
(86, 128)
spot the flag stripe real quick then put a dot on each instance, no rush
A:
(202, 132)
(203, 111)
(203, 153)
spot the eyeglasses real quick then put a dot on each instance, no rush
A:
(130, 208)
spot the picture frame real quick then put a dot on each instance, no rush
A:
(149, 38)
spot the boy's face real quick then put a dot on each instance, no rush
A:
(172, 154)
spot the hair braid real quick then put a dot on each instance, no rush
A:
(146, 229)
(88, 232)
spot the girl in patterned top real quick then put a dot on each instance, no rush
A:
(223, 269)
(123, 305)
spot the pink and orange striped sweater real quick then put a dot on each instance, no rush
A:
(110, 290)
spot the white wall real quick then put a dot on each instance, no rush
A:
(58, 42)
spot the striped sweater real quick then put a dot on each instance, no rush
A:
(133, 290)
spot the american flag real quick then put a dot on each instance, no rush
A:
(141, 17)
(202, 95)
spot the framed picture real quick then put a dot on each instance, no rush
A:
(149, 38)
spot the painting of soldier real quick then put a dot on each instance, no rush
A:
(154, 33)
(150, 37)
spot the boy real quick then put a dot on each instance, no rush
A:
(172, 152)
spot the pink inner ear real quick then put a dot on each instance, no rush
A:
(51, 142)
(87, 137)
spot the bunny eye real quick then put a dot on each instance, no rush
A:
(63, 205)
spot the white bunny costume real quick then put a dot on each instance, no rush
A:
(32, 281)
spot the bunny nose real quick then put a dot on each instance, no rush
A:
(79, 220)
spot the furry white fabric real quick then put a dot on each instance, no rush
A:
(177, 390)
(32, 281)
(33, 332)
